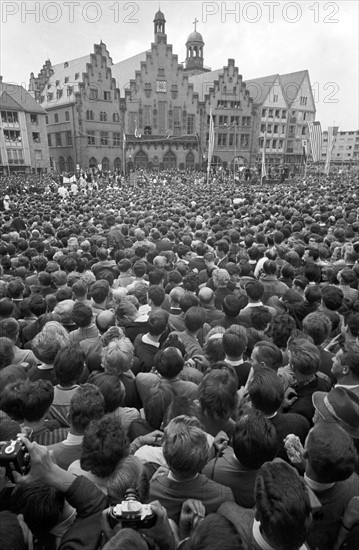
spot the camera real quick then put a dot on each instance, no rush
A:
(14, 457)
(131, 513)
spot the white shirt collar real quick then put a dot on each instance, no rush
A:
(73, 439)
(261, 542)
(147, 340)
(316, 486)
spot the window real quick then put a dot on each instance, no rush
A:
(57, 82)
(67, 115)
(269, 128)
(264, 112)
(107, 96)
(284, 114)
(93, 93)
(104, 138)
(9, 118)
(222, 120)
(36, 137)
(263, 128)
(50, 96)
(244, 141)
(116, 117)
(12, 138)
(66, 64)
(49, 140)
(292, 131)
(103, 116)
(77, 76)
(58, 94)
(69, 138)
(270, 112)
(89, 115)
(277, 113)
(38, 154)
(90, 137)
(46, 119)
(66, 79)
(303, 131)
(58, 140)
(70, 90)
(275, 130)
(56, 117)
(116, 139)
(246, 121)
(190, 124)
(34, 119)
(275, 99)
(222, 140)
(274, 144)
(303, 101)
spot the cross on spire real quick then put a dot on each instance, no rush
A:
(195, 24)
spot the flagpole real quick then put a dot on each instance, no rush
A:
(264, 172)
(210, 144)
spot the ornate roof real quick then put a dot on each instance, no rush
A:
(195, 36)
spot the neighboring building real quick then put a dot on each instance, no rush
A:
(23, 139)
(224, 92)
(345, 148)
(284, 104)
(162, 107)
(82, 102)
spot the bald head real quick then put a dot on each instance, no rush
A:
(105, 320)
(206, 296)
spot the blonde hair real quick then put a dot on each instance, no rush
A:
(117, 357)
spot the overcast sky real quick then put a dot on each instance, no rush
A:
(264, 37)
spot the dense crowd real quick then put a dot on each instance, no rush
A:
(188, 344)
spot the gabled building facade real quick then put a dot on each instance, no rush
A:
(23, 137)
(82, 101)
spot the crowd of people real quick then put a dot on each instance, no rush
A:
(179, 363)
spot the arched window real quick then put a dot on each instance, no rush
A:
(169, 160)
(105, 164)
(140, 159)
(190, 161)
(117, 163)
(70, 164)
(116, 117)
(93, 162)
(216, 161)
(61, 164)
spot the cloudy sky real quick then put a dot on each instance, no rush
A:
(264, 37)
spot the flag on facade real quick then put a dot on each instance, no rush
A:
(304, 150)
(315, 138)
(210, 140)
(264, 170)
(137, 134)
(332, 133)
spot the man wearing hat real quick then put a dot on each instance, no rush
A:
(341, 406)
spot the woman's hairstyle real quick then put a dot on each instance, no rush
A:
(117, 357)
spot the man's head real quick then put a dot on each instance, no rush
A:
(68, 365)
(235, 342)
(265, 391)
(304, 357)
(282, 505)
(82, 315)
(169, 362)
(185, 446)
(330, 453)
(267, 354)
(100, 291)
(254, 439)
(157, 322)
(86, 404)
(254, 290)
(217, 393)
(194, 319)
(206, 296)
(346, 366)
